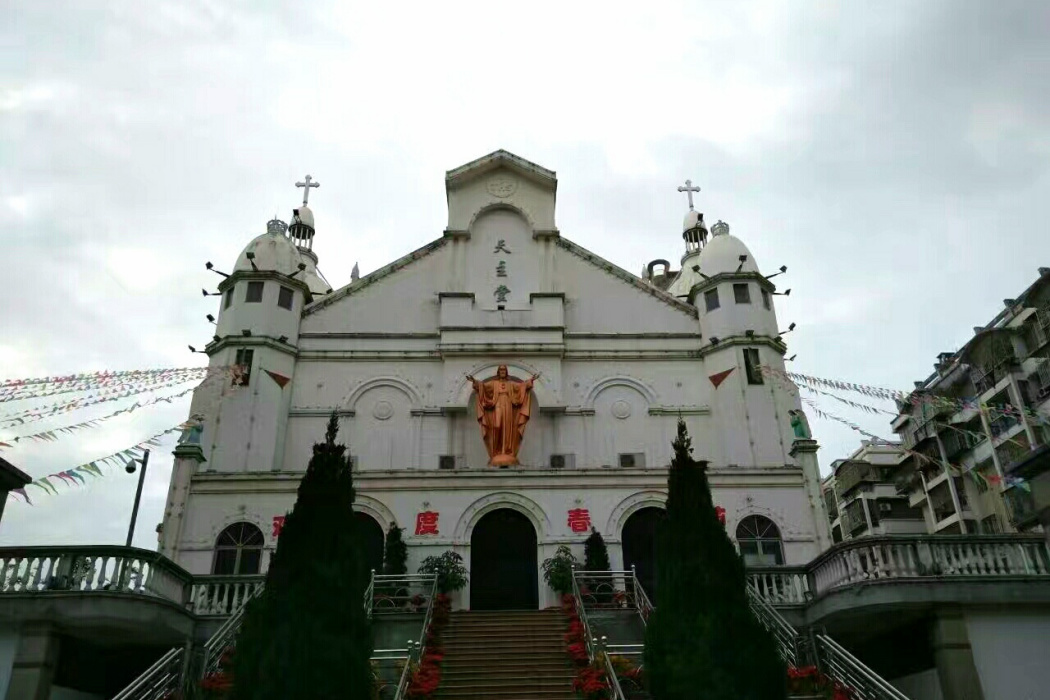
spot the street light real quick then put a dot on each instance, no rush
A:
(130, 469)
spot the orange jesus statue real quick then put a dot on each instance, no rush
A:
(504, 406)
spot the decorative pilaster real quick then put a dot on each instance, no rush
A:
(805, 451)
(188, 458)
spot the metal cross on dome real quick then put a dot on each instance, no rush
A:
(689, 189)
(308, 184)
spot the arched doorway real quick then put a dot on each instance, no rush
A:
(371, 534)
(503, 568)
(639, 546)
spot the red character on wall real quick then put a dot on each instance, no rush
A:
(427, 523)
(278, 525)
(579, 520)
(721, 513)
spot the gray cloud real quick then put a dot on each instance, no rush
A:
(892, 154)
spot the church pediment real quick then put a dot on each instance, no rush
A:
(501, 180)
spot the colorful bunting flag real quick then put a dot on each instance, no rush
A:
(720, 377)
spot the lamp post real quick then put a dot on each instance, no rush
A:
(130, 469)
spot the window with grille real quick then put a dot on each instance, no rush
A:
(751, 366)
(742, 293)
(238, 550)
(760, 542)
(766, 300)
(284, 298)
(228, 298)
(711, 299)
(244, 363)
(255, 291)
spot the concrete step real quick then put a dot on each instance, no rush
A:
(520, 684)
(498, 693)
(456, 673)
(504, 651)
(525, 637)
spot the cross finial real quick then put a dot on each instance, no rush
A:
(306, 188)
(689, 189)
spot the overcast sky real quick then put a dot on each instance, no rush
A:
(892, 154)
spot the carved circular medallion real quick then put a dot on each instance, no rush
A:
(621, 409)
(502, 186)
(383, 410)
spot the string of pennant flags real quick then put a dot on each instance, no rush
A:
(101, 376)
(112, 382)
(39, 413)
(76, 475)
(913, 398)
(954, 469)
(57, 433)
(986, 480)
(871, 409)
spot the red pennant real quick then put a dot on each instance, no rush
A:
(279, 378)
(717, 379)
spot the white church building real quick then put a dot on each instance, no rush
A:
(618, 359)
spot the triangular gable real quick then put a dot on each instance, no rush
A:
(374, 277)
(624, 275)
(465, 173)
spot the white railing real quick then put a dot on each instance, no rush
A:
(223, 595)
(780, 585)
(92, 569)
(872, 559)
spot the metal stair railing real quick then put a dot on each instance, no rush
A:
(596, 649)
(415, 651)
(161, 679)
(826, 654)
(171, 673)
(786, 636)
(845, 668)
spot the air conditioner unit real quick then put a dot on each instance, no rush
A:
(563, 461)
(447, 462)
(885, 508)
(632, 460)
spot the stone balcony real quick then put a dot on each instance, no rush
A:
(898, 572)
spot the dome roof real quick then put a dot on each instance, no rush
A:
(722, 254)
(273, 251)
(305, 215)
(692, 218)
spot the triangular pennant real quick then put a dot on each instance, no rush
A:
(720, 377)
(73, 473)
(92, 469)
(23, 494)
(46, 485)
(64, 476)
(279, 378)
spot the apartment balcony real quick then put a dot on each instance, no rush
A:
(1021, 504)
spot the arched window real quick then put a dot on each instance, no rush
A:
(759, 540)
(238, 550)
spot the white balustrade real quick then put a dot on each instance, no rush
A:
(91, 569)
(880, 558)
(222, 595)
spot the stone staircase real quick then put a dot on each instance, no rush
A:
(508, 655)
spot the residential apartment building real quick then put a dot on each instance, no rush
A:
(861, 498)
(977, 429)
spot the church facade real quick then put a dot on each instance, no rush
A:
(575, 433)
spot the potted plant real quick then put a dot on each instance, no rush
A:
(449, 569)
(557, 570)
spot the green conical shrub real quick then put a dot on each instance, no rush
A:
(702, 641)
(307, 635)
(395, 556)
